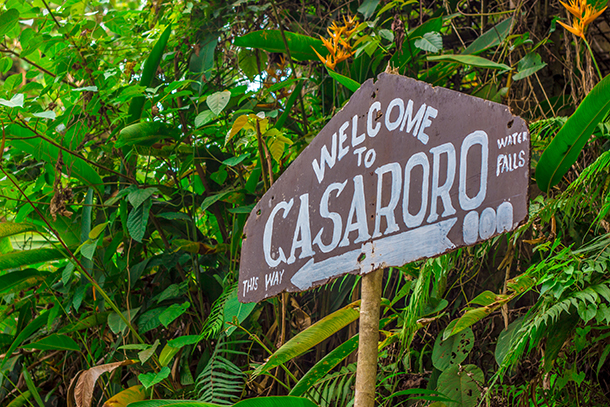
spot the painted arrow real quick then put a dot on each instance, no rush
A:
(391, 251)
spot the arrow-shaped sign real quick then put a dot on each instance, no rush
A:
(391, 251)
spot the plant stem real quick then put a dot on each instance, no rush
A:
(599, 73)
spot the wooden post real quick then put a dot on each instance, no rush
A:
(366, 371)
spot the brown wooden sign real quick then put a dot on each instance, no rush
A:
(404, 171)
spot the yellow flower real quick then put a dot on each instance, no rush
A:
(576, 28)
(583, 14)
(338, 48)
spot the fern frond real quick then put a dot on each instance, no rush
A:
(221, 382)
(215, 321)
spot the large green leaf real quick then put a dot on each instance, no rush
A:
(32, 327)
(142, 134)
(344, 80)
(54, 342)
(490, 38)
(8, 20)
(235, 309)
(325, 365)
(86, 322)
(218, 101)
(148, 73)
(12, 228)
(272, 401)
(19, 258)
(301, 46)
(138, 220)
(462, 383)
(152, 378)
(453, 350)
(570, 140)
(310, 337)
(470, 60)
(42, 150)
(276, 401)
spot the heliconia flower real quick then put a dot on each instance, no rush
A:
(338, 48)
(583, 14)
(576, 28)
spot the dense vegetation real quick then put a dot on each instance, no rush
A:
(137, 137)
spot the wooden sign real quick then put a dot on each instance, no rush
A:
(404, 171)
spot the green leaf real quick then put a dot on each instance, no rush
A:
(185, 340)
(148, 73)
(529, 65)
(485, 298)
(8, 20)
(469, 318)
(310, 337)
(271, 401)
(86, 322)
(211, 200)
(12, 228)
(42, 150)
(138, 220)
(204, 118)
(271, 41)
(453, 350)
(142, 134)
(368, 8)
(324, 366)
(16, 101)
(490, 38)
(126, 397)
(505, 339)
(152, 378)
(431, 42)
(167, 353)
(116, 323)
(235, 309)
(97, 231)
(146, 354)
(5, 64)
(218, 101)
(32, 387)
(54, 342)
(570, 140)
(459, 383)
(173, 312)
(29, 277)
(174, 403)
(276, 401)
(32, 327)
(344, 80)
(138, 196)
(471, 60)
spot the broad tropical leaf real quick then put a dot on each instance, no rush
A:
(310, 337)
(271, 41)
(568, 143)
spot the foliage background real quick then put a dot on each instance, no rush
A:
(137, 136)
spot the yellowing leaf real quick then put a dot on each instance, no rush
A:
(130, 395)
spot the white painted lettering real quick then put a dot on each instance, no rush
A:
(426, 122)
(442, 191)
(477, 137)
(334, 216)
(325, 158)
(342, 139)
(392, 125)
(387, 211)
(268, 233)
(355, 138)
(372, 131)
(357, 208)
(302, 229)
(421, 159)
(411, 122)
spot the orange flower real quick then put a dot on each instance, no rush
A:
(338, 48)
(583, 14)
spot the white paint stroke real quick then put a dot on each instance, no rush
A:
(391, 251)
